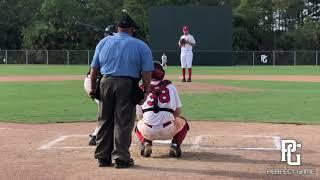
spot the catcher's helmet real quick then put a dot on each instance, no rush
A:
(158, 72)
(110, 29)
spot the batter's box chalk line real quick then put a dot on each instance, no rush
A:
(197, 143)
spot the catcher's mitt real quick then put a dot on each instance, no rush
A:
(183, 41)
(97, 90)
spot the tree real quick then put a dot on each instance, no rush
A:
(54, 27)
(14, 16)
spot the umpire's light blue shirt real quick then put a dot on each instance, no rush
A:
(122, 55)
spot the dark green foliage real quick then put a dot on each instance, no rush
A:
(258, 24)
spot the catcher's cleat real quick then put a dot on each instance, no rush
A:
(146, 149)
(183, 80)
(189, 80)
(93, 140)
(175, 150)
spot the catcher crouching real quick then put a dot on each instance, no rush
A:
(160, 115)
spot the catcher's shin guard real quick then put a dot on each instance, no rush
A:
(146, 145)
(175, 150)
(139, 135)
(179, 137)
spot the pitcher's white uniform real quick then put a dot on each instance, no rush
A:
(152, 124)
(186, 55)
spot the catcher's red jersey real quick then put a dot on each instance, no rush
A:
(167, 97)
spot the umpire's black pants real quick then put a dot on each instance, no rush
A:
(116, 117)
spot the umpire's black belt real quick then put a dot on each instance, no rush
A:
(126, 77)
(163, 125)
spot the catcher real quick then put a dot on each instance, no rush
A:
(159, 115)
(87, 88)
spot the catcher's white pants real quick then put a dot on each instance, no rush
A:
(160, 132)
(186, 59)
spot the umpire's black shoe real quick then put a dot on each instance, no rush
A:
(104, 162)
(93, 140)
(123, 164)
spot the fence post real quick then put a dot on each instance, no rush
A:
(274, 58)
(26, 56)
(294, 58)
(6, 56)
(47, 57)
(88, 57)
(316, 58)
(253, 58)
(68, 57)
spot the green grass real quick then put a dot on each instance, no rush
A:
(43, 69)
(284, 102)
(281, 102)
(45, 102)
(204, 70)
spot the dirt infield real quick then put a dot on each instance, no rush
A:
(212, 150)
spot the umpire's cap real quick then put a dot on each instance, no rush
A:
(125, 21)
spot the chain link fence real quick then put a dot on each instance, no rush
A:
(46, 56)
(205, 57)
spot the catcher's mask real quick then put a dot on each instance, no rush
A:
(158, 72)
(110, 29)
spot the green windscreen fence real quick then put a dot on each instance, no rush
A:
(211, 27)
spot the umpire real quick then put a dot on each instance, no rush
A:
(121, 60)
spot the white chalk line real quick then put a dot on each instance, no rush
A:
(196, 145)
(59, 139)
(277, 142)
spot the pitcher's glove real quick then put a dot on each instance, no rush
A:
(183, 41)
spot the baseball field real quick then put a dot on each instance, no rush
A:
(237, 115)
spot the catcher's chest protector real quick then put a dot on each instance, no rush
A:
(156, 91)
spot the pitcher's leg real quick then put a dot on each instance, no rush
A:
(183, 66)
(189, 66)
